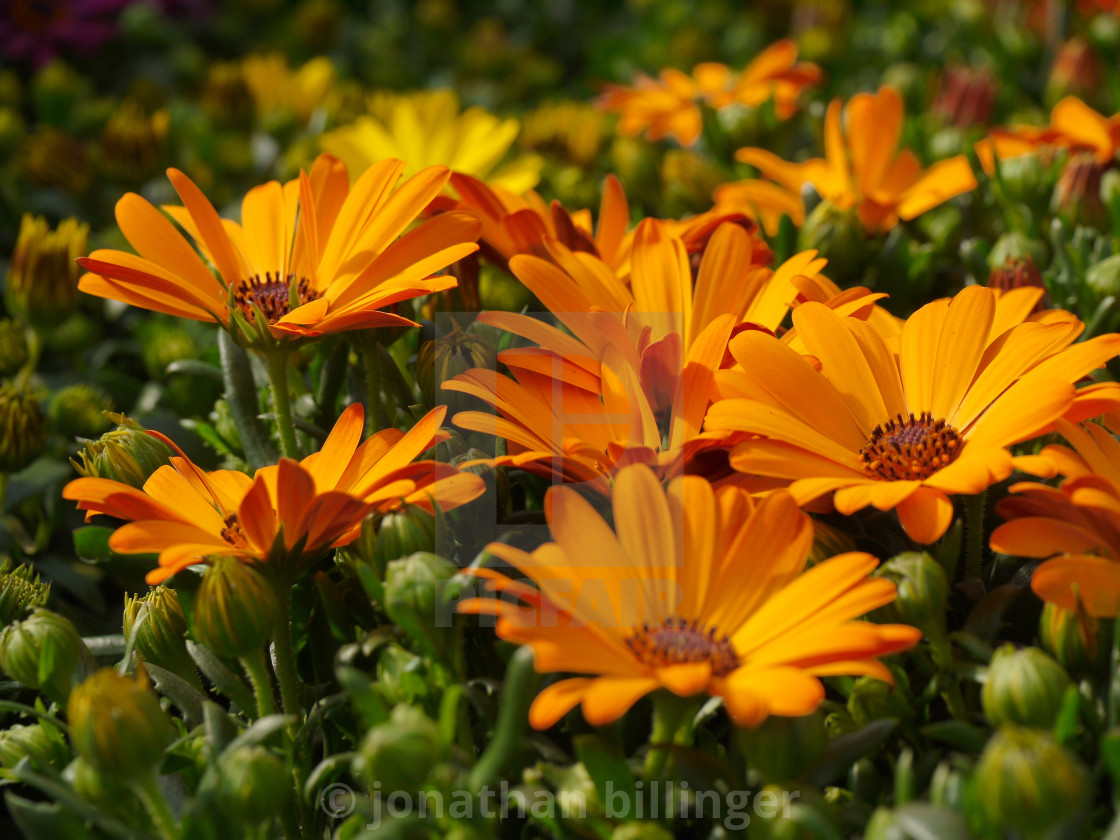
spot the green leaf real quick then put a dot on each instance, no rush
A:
(225, 680)
(845, 750)
(187, 699)
(92, 542)
(956, 733)
(608, 770)
(45, 820)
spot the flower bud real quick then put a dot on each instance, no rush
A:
(923, 592)
(1104, 277)
(1025, 180)
(227, 96)
(117, 725)
(402, 752)
(21, 590)
(42, 652)
(248, 779)
(444, 359)
(160, 626)
(1024, 687)
(965, 96)
(133, 143)
(1071, 637)
(109, 793)
(42, 284)
(13, 129)
(1026, 782)
(56, 90)
(782, 747)
(688, 181)
(414, 590)
(79, 411)
(1075, 72)
(1018, 273)
(1013, 246)
(127, 454)
(399, 534)
(162, 343)
(872, 699)
(23, 434)
(1077, 195)
(13, 346)
(839, 237)
(55, 159)
(235, 610)
(46, 749)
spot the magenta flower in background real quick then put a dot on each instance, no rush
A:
(35, 31)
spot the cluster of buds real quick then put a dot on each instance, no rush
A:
(21, 591)
(43, 652)
(158, 626)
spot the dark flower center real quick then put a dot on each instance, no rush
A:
(910, 449)
(677, 641)
(272, 295)
(232, 533)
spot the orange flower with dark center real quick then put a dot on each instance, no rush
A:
(695, 590)
(311, 256)
(286, 516)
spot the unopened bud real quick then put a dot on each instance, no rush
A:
(45, 748)
(781, 748)
(160, 629)
(402, 752)
(42, 652)
(13, 346)
(235, 610)
(414, 598)
(42, 283)
(872, 699)
(839, 236)
(248, 779)
(1025, 687)
(127, 454)
(1071, 637)
(448, 356)
(79, 411)
(21, 591)
(923, 591)
(23, 432)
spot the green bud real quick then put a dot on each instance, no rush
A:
(127, 454)
(42, 652)
(839, 237)
(1013, 246)
(162, 631)
(45, 748)
(43, 276)
(782, 747)
(133, 143)
(235, 610)
(117, 725)
(227, 96)
(641, 830)
(13, 346)
(56, 159)
(402, 752)
(1072, 638)
(76, 334)
(947, 786)
(79, 411)
(923, 592)
(688, 180)
(873, 699)
(1024, 687)
(21, 590)
(414, 598)
(248, 780)
(1104, 277)
(12, 130)
(1077, 195)
(396, 535)
(1025, 180)
(23, 433)
(445, 358)
(109, 793)
(162, 343)
(1025, 781)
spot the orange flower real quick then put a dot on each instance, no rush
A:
(287, 515)
(633, 380)
(1074, 126)
(278, 278)
(906, 431)
(863, 168)
(695, 591)
(1076, 524)
(670, 105)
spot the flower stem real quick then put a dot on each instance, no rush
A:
(150, 794)
(974, 523)
(285, 656)
(672, 724)
(1114, 679)
(277, 361)
(257, 669)
(372, 359)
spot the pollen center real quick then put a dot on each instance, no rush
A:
(910, 449)
(232, 533)
(676, 642)
(272, 295)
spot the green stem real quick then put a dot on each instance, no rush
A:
(155, 804)
(277, 361)
(672, 724)
(285, 656)
(241, 396)
(954, 699)
(518, 691)
(3, 489)
(257, 669)
(974, 523)
(34, 351)
(372, 359)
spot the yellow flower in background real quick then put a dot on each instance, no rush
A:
(669, 106)
(694, 590)
(277, 87)
(863, 168)
(427, 129)
(574, 130)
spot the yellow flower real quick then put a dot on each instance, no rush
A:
(863, 168)
(906, 430)
(696, 591)
(277, 87)
(428, 129)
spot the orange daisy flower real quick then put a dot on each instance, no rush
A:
(1073, 126)
(863, 168)
(287, 515)
(670, 105)
(695, 590)
(905, 431)
(1077, 525)
(333, 269)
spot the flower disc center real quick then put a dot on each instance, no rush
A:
(676, 642)
(910, 449)
(272, 295)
